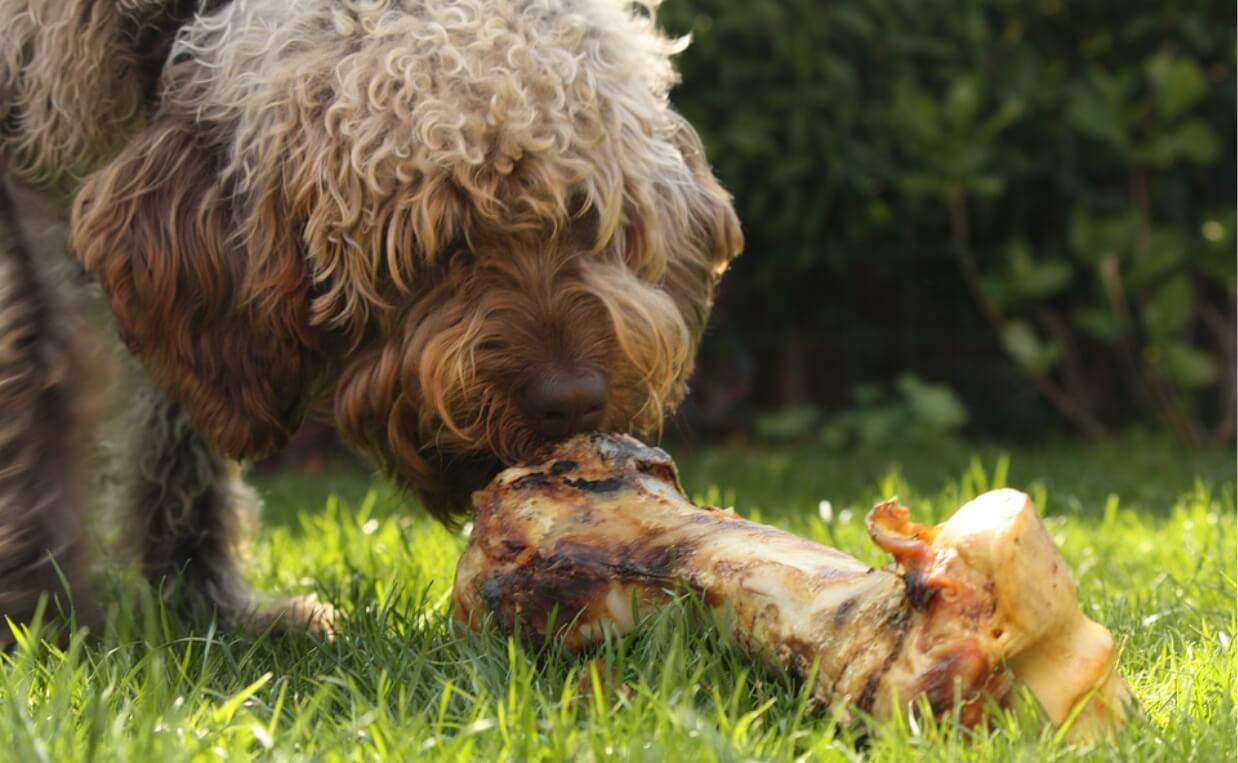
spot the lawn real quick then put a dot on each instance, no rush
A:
(1148, 530)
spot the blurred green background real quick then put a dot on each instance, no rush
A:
(1007, 218)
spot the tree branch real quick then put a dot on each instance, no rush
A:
(960, 234)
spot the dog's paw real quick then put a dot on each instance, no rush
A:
(295, 615)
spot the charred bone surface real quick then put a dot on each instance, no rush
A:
(603, 531)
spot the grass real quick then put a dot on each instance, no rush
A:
(1149, 532)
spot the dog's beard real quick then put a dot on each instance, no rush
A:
(438, 404)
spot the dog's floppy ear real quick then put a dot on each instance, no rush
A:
(709, 238)
(226, 337)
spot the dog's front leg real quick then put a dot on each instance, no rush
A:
(42, 511)
(187, 512)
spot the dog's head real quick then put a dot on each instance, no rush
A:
(460, 229)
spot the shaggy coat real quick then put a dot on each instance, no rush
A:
(392, 215)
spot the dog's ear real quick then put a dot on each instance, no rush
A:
(708, 235)
(225, 334)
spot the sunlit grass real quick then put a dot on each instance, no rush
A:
(1150, 534)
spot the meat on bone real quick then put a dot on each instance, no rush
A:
(971, 608)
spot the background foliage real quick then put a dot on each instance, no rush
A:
(1030, 201)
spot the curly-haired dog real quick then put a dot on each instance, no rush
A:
(458, 229)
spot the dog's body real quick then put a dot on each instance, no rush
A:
(456, 230)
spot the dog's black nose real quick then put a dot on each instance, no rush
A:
(564, 403)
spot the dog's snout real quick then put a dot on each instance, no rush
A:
(565, 403)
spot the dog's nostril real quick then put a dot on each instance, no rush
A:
(560, 404)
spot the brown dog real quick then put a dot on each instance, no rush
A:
(458, 229)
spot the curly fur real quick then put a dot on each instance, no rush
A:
(391, 214)
(77, 77)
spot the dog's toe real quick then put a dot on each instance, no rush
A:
(296, 615)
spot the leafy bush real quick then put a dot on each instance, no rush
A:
(1073, 160)
(909, 411)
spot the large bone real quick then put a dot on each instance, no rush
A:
(603, 531)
